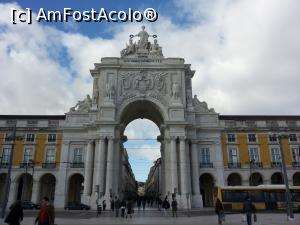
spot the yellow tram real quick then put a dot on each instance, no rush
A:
(264, 197)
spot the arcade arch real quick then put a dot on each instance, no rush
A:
(75, 187)
(47, 187)
(255, 179)
(207, 185)
(24, 187)
(234, 179)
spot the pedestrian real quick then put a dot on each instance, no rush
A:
(117, 205)
(166, 205)
(174, 207)
(129, 209)
(144, 203)
(219, 209)
(248, 210)
(112, 204)
(46, 213)
(139, 203)
(104, 204)
(123, 207)
(159, 202)
(15, 216)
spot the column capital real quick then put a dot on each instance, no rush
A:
(182, 138)
(66, 142)
(194, 141)
(90, 141)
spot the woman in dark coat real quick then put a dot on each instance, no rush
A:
(15, 215)
(219, 209)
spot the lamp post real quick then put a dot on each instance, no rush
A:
(289, 206)
(8, 179)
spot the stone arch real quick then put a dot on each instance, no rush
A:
(234, 179)
(47, 186)
(142, 108)
(2, 185)
(277, 178)
(296, 179)
(255, 179)
(24, 187)
(207, 184)
(75, 187)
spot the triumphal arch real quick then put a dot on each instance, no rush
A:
(142, 83)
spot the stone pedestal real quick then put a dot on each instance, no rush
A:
(197, 201)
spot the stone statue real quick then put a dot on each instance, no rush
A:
(175, 90)
(201, 106)
(82, 106)
(143, 42)
(130, 48)
(155, 49)
(109, 90)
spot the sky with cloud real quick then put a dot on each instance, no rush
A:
(246, 55)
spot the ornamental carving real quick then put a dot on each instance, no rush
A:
(142, 84)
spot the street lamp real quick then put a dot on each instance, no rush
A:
(8, 177)
(289, 207)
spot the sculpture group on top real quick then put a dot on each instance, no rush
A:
(143, 46)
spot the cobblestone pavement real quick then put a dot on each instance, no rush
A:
(73, 218)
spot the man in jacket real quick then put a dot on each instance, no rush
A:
(248, 209)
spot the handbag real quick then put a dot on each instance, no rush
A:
(254, 218)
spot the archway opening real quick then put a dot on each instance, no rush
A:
(24, 190)
(277, 178)
(234, 179)
(75, 188)
(2, 185)
(47, 187)
(255, 179)
(296, 179)
(144, 156)
(207, 189)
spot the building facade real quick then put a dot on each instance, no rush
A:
(80, 156)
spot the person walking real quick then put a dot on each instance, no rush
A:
(123, 208)
(166, 205)
(15, 216)
(219, 209)
(174, 207)
(144, 202)
(139, 202)
(104, 205)
(117, 206)
(159, 202)
(129, 209)
(46, 214)
(248, 209)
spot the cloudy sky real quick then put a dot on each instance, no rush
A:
(246, 55)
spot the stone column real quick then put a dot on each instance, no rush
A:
(173, 165)
(195, 169)
(109, 167)
(196, 198)
(61, 191)
(88, 169)
(219, 164)
(182, 166)
(101, 165)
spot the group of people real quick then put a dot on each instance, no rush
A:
(45, 216)
(125, 207)
(249, 210)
